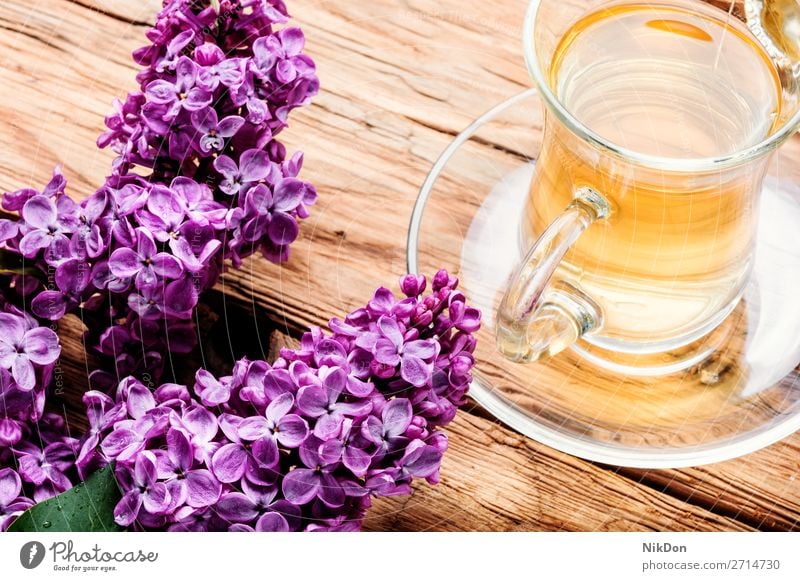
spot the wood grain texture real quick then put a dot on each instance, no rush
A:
(400, 78)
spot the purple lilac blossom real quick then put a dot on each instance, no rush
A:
(140, 250)
(28, 356)
(290, 446)
(40, 465)
(301, 444)
(199, 182)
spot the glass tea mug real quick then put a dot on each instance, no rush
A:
(630, 251)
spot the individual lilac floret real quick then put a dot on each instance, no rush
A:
(12, 503)
(143, 490)
(28, 355)
(24, 346)
(302, 443)
(39, 466)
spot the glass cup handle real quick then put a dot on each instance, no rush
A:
(539, 317)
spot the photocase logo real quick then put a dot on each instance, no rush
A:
(31, 554)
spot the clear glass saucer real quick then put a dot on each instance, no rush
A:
(733, 392)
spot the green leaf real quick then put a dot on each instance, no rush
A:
(13, 263)
(88, 507)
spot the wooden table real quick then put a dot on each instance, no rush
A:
(400, 78)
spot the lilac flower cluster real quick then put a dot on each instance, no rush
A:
(216, 79)
(37, 456)
(28, 355)
(304, 442)
(39, 465)
(199, 182)
(218, 84)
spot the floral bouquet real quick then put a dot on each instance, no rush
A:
(200, 182)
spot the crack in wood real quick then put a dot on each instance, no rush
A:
(31, 36)
(118, 17)
(661, 482)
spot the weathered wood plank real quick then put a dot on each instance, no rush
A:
(762, 489)
(496, 480)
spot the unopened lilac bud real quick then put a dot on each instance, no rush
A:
(412, 285)
(440, 280)
(418, 428)
(461, 365)
(422, 315)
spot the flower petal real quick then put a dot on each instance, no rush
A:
(265, 452)
(41, 346)
(226, 166)
(140, 400)
(372, 430)
(328, 426)
(12, 328)
(201, 422)
(386, 352)
(179, 450)
(118, 441)
(229, 463)
(40, 212)
(276, 382)
(424, 349)
(230, 125)
(127, 509)
(335, 381)
(396, 415)
(30, 469)
(312, 400)
(10, 434)
(292, 40)
(279, 407)
(300, 486)
(357, 460)
(205, 120)
(203, 489)
(157, 499)
(415, 371)
(180, 296)
(272, 522)
(197, 98)
(10, 486)
(283, 228)
(50, 305)
(23, 373)
(423, 461)
(236, 507)
(210, 391)
(144, 471)
(253, 428)
(254, 165)
(34, 241)
(166, 266)
(292, 430)
(391, 330)
(185, 72)
(330, 491)
(72, 276)
(161, 91)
